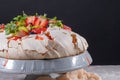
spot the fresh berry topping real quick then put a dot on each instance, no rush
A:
(24, 25)
(37, 22)
(30, 20)
(36, 30)
(67, 28)
(39, 37)
(49, 36)
(44, 22)
(14, 38)
(22, 33)
(2, 26)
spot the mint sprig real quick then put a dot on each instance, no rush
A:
(20, 17)
(56, 23)
(11, 28)
(19, 22)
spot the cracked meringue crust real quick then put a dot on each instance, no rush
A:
(53, 43)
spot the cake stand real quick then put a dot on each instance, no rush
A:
(30, 69)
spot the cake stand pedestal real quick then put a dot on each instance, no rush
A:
(23, 69)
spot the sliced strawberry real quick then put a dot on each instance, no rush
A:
(67, 28)
(43, 29)
(14, 38)
(30, 20)
(36, 30)
(44, 23)
(2, 26)
(22, 33)
(37, 22)
(39, 37)
(49, 36)
(25, 33)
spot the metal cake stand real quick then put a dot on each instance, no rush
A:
(24, 69)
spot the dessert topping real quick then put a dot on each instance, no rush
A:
(2, 26)
(24, 25)
(49, 36)
(39, 37)
(67, 28)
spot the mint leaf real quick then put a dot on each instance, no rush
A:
(10, 28)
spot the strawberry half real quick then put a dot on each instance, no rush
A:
(44, 23)
(43, 29)
(39, 37)
(2, 26)
(49, 36)
(30, 20)
(66, 27)
(22, 33)
(14, 38)
(37, 22)
(38, 30)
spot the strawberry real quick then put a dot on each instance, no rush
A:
(39, 37)
(30, 20)
(49, 36)
(44, 22)
(67, 28)
(14, 38)
(43, 29)
(36, 30)
(37, 22)
(21, 33)
(2, 26)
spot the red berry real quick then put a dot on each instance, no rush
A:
(39, 37)
(37, 22)
(36, 30)
(14, 38)
(30, 20)
(21, 33)
(2, 26)
(43, 29)
(44, 23)
(67, 28)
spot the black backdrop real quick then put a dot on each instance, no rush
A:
(97, 20)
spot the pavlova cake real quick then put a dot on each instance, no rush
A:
(39, 37)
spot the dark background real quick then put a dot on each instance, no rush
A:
(96, 20)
